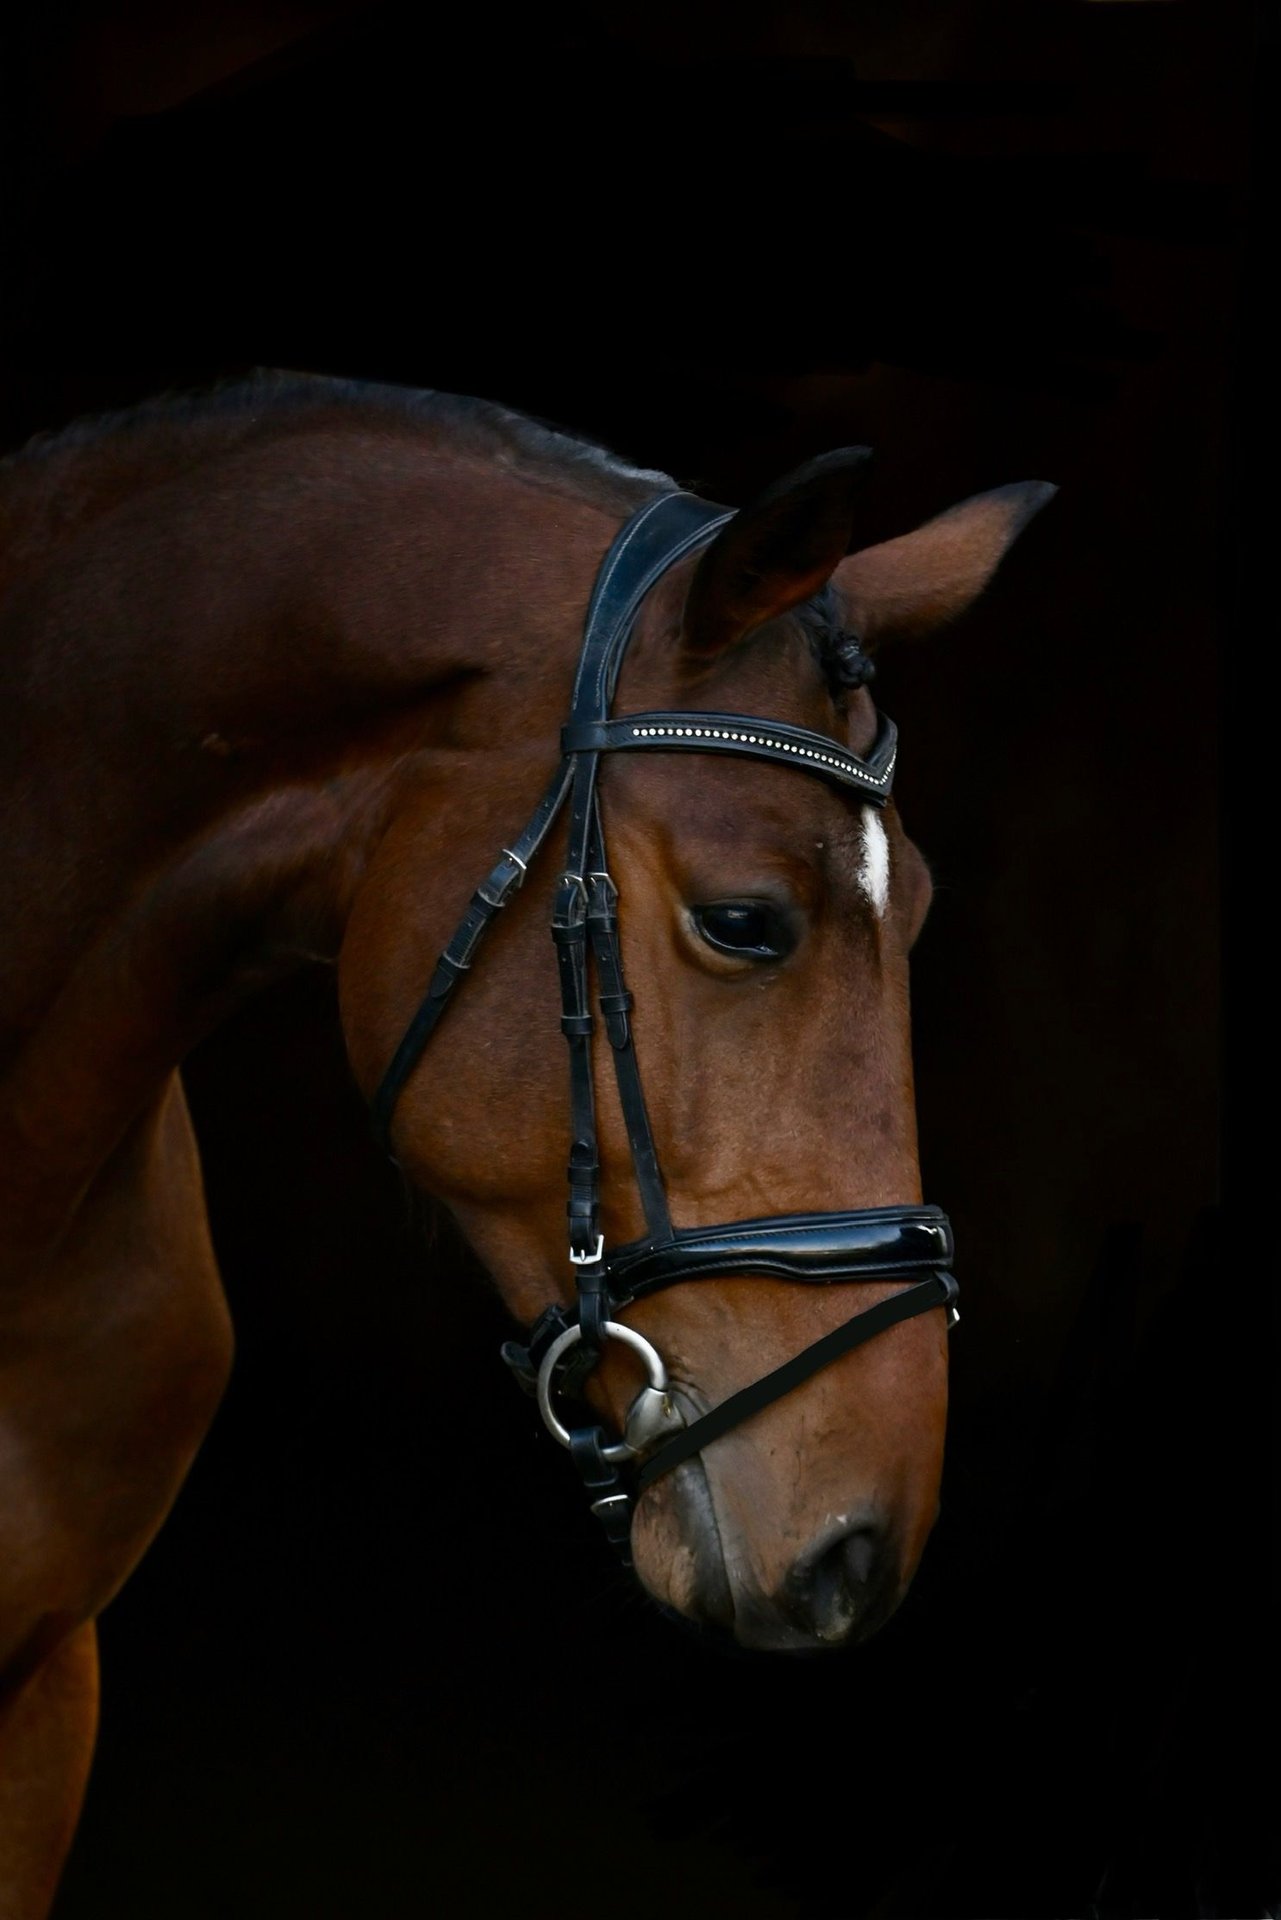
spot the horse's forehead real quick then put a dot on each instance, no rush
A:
(764, 811)
(710, 821)
(874, 862)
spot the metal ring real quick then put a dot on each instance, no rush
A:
(614, 1330)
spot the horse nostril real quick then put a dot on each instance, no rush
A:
(844, 1585)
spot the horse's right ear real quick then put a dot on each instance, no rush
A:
(922, 579)
(775, 553)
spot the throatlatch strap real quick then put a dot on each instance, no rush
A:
(493, 892)
(940, 1290)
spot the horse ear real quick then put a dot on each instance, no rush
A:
(922, 579)
(776, 551)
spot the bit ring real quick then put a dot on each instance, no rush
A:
(614, 1330)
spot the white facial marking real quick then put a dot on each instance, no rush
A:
(874, 868)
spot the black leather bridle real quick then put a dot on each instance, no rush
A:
(870, 1243)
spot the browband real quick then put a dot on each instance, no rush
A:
(736, 733)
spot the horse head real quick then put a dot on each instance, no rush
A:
(763, 923)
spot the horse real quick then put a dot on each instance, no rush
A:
(289, 662)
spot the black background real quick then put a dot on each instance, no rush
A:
(378, 1663)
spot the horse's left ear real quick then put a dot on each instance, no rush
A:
(775, 553)
(922, 579)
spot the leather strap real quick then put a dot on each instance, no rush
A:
(654, 539)
(871, 1243)
(940, 1290)
(742, 734)
(493, 892)
(615, 1004)
(569, 931)
(611, 1501)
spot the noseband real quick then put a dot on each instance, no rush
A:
(869, 1243)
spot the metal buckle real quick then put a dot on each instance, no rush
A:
(570, 910)
(588, 1259)
(517, 861)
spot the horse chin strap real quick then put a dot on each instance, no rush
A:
(909, 1243)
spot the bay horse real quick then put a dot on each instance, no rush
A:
(286, 666)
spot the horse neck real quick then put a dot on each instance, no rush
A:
(227, 682)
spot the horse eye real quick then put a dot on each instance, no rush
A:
(745, 928)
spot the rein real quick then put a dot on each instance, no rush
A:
(868, 1243)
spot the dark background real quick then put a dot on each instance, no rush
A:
(378, 1663)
